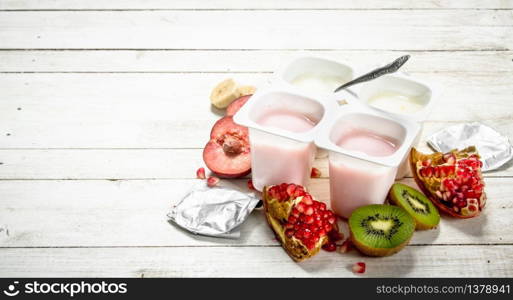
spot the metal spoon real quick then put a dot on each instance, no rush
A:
(390, 68)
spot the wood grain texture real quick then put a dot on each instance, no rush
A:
(204, 61)
(247, 4)
(388, 29)
(428, 261)
(132, 213)
(91, 159)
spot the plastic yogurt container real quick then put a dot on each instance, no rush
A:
(400, 96)
(282, 126)
(365, 149)
(313, 75)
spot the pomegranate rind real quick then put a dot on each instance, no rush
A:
(428, 184)
(234, 107)
(275, 216)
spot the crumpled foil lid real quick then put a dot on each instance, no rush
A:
(216, 211)
(494, 149)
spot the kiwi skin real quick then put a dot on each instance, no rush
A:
(370, 251)
(377, 251)
(393, 198)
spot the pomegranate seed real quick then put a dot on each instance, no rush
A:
(291, 189)
(472, 208)
(200, 173)
(212, 181)
(292, 219)
(250, 185)
(328, 227)
(316, 173)
(301, 207)
(345, 247)
(289, 233)
(309, 219)
(450, 158)
(436, 172)
(359, 268)
(322, 206)
(295, 212)
(330, 247)
(309, 211)
(307, 199)
(310, 244)
(332, 219)
(289, 226)
(307, 234)
(335, 236)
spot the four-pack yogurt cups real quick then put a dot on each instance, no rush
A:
(367, 144)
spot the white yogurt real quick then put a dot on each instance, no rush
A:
(396, 103)
(318, 83)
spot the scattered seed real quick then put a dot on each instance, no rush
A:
(250, 185)
(212, 181)
(200, 173)
(359, 268)
(316, 173)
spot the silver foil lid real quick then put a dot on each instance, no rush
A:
(216, 211)
(494, 149)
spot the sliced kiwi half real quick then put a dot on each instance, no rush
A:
(380, 230)
(422, 210)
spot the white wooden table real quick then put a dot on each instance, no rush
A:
(104, 111)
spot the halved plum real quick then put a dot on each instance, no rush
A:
(227, 153)
(234, 107)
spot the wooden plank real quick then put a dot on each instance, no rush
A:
(452, 261)
(178, 61)
(173, 110)
(388, 29)
(263, 4)
(94, 213)
(122, 164)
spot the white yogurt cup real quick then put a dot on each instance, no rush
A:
(388, 93)
(280, 155)
(358, 177)
(316, 76)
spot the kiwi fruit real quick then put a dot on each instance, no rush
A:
(380, 230)
(422, 210)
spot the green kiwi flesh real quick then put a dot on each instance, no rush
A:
(380, 230)
(422, 210)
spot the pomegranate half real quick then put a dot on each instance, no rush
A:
(301, 224)
(227, 153)
(452, 181)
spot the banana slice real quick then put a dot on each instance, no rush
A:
(224, 93)
(247, 90)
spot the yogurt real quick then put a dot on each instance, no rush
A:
(318, 83)
(395, 102)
